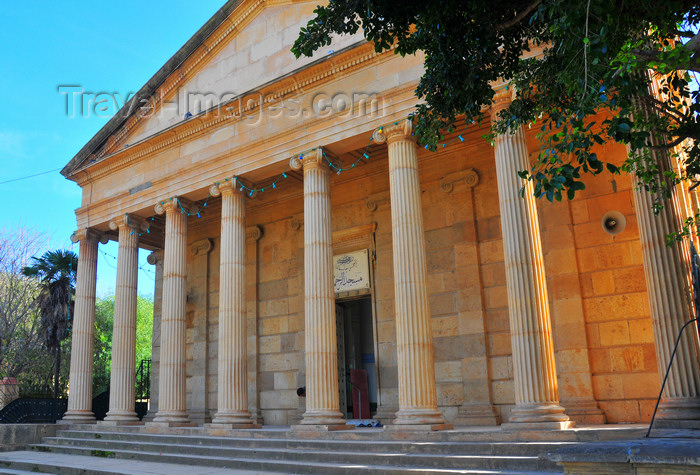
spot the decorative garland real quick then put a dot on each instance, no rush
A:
(251, 191)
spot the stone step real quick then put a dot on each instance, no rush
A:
(303, 453)
(16, 472)
(26, 462)
(468, 434)
(247, 463)
(454, 448)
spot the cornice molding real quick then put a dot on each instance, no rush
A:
(219, 166)
(355, 57)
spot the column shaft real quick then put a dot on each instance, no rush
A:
(122, 390)
(668, 286)
(322, 397)
(83, 339)
(171, 390)
(414, 339)
(156, 260)
(232, 387)
(534, 371)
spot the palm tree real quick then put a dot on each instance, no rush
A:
(56, 271)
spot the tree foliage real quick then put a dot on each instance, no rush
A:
(23, 354)
(104, 319)
(56, 272)
(581, 72)
(19, 322)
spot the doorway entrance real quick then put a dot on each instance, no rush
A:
(357, 370)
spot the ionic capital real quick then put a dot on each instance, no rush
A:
(155, 258)
(307, 160)
(401, 130)
(502, 98)
(254, 233)
(88, 234)
(203, 246)
(227, 187)
(172, 205)
(136, 223)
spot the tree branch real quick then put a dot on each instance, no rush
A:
(693, 65)
(683, 33)
(693, 44)
(663, 107)
(519, 17)
(677, 141)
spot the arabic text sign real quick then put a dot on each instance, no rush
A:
(351, 271)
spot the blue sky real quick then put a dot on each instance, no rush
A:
(101, 46)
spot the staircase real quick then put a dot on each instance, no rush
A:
(108, 450)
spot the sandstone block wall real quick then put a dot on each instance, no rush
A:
(601, 326)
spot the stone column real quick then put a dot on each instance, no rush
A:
(414, 337)
(667, 272)
(155, 259)
(322, 397)
(122, 389)
(232, 392)
(83, 339)
(172, 409)
(253, 235)
(534, 371)
(197, 333)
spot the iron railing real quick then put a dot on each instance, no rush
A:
(143, 381)
(695, 272)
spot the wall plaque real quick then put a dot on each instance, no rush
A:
(351, 271)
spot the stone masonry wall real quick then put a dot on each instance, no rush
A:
(601, 325)
(613, 289)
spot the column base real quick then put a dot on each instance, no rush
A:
(296, 417)
(121, 416)
(537, 413)
(255, 416)
(516, 426)
(323, 418)
(78, 417)
(115, 423)
(172, 417)
(233, 420)
(679, 409)
(159, 425)
(419, 417)
(476, 415)
(239, 418)
(386, 414)
(311, 428)
(225, 425)
(418, 427)
(150, 415)
(585, 412)
(199, 417)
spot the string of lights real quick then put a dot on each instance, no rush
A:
(251, 191)
(29, 176)
(150, 273)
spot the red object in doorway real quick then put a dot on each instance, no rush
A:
(360, 394)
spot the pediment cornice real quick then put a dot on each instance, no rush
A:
(190, 59)
(312, 75)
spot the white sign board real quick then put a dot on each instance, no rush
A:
(351, 271)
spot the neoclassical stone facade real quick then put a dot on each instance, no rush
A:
(301, 237)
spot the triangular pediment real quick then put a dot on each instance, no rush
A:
(243, 47)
